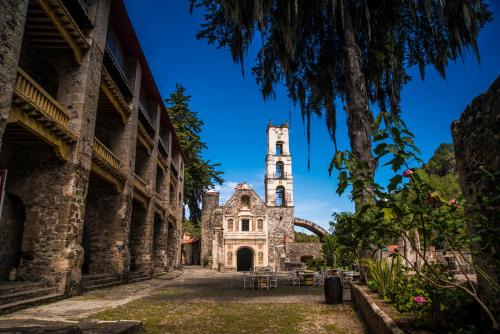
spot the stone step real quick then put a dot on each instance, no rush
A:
(137, 277)
(26, 294)
(25, 303)
(100, 281)
(16, 286)
(102, 286)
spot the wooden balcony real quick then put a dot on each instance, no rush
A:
(159, 204)
(41, 114)
(106, 164)
(144, 138)
(140, 191)
(113, 96)
(50, 25)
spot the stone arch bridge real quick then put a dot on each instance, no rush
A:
(309, 225)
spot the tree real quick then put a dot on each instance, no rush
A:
(199, 174)
(442, 162)
(358, 51)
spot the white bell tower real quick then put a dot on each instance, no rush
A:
(278, 180)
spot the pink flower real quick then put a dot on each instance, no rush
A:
(419, 300)
(453, 202)
(407, 173)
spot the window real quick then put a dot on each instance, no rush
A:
(245, 201)
(245, 225)
(280, 196)
(279, 148)
(230, 225)
(279, 169)
(260, 225)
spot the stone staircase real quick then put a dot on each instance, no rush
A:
(99, 281)
(18, 295)
(137, 276)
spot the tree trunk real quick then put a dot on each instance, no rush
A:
(359, 116)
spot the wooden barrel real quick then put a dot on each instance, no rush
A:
(308, 279)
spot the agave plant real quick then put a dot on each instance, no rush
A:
(383, 274)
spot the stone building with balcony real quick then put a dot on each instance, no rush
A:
(247, 232)
(91, 165)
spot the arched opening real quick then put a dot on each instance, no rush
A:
(11, 234)
(244, 259)
(306, 258)
(279, 148)
(280, 168)
(280, 196)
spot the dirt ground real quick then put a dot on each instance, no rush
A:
(203, 301)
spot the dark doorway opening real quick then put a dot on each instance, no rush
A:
(244, 259)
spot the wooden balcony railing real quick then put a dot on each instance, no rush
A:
(114, 95)
(31, 92)
(38, 104)
(105, 156)
(158, 201)
(140, 184)
(144, 137)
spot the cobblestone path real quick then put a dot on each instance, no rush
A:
(201, 301)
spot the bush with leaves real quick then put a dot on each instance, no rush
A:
(409, 208)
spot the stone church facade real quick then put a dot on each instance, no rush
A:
(248, 232)
(92, 166)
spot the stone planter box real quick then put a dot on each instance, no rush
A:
(377, 320)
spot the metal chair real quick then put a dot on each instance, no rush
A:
(273, 281)
(318, 278)
(248, 280)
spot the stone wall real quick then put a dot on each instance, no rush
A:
(297, 250)
(476, 137)
(280, 227)
(210, 201)
(75, 219)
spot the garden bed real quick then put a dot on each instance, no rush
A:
(380, 315)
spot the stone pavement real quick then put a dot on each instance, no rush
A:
(201, 300)
(81, 307)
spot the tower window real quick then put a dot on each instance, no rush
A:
(279, 148)
(280, 196)
(279, 169)
(245, 225)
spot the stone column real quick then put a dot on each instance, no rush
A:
(210, 201)
(12, 22)
(476, 137)
(57, 212)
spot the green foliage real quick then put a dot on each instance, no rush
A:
(383, 276)
(316, 264)
(329, 248)
(199, 174)
(303, 45)
(189, 227)
(442, 162)
(304, 237)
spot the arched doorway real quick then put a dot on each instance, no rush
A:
(244, 259)
(11, 233)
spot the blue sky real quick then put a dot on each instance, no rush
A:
(236, 116)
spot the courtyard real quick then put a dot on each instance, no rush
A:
(200, 300)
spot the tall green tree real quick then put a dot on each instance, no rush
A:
(199, 174)
(355, 50)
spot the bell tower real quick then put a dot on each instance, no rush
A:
(278, 180)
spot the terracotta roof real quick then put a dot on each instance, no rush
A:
(190, 241)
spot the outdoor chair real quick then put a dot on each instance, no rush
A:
(348, 278)
(318, 278)
(248, 280)
(273, 281)
(295, 278)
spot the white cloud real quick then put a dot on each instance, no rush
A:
(317, 211)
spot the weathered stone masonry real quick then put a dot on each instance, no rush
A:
(94, 168)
